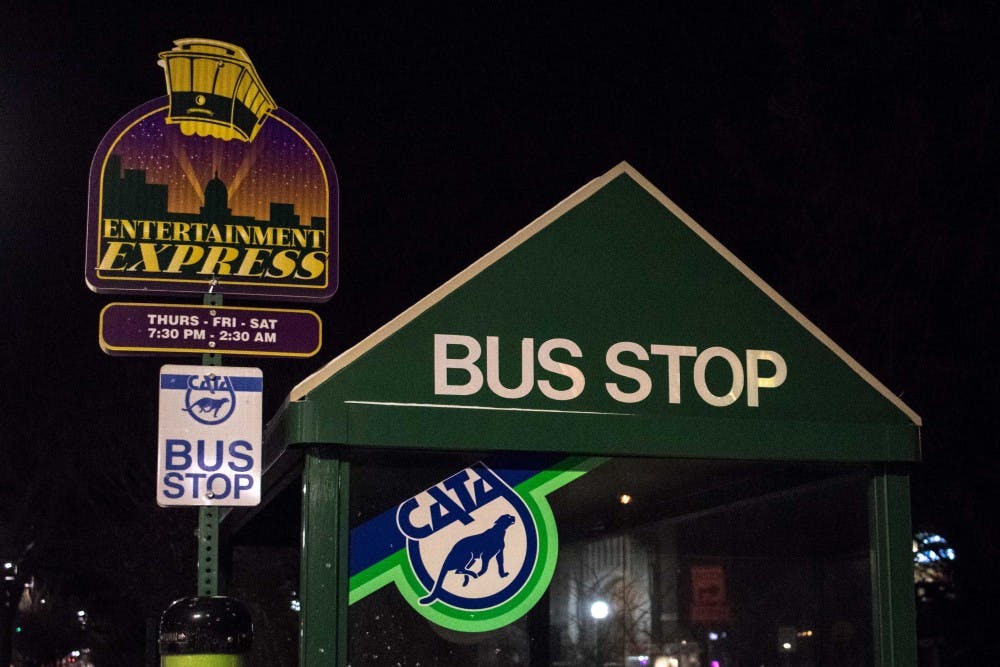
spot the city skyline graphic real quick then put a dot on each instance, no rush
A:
(170, 210)
(278, 166)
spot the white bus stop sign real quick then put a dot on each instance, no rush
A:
(210, 435)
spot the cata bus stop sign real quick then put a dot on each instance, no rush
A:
(210, 435)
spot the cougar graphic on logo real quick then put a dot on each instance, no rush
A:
(207, 404)
(483, 547)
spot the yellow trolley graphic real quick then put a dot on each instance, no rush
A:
(214, 90)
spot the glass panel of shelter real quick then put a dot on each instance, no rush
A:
(662, 563)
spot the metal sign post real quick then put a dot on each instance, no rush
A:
(208, 516)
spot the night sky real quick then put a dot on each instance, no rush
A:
(846, 153)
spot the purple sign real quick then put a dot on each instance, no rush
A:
(146, 328)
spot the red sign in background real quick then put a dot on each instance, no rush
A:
(708, 594)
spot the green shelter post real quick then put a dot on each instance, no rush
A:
(324, 559)
(894, 610)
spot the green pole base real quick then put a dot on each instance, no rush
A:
(202, 660)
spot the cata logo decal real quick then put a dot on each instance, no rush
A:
(474, 552)
(471, 540)
(209, 399)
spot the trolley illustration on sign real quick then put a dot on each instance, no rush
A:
(214, 90)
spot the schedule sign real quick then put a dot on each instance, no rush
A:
(150, 328)
(210, 436)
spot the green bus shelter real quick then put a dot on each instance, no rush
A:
(606, 442)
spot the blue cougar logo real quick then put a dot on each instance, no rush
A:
(451, 554)
(207, 404)
(207, 396)
(483, 547)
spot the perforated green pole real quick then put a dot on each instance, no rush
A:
(208, 548)
(208, 517)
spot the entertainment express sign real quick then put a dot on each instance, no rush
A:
(212, 188)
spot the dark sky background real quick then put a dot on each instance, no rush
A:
(847, 153)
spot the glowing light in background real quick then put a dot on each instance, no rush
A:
(932, 560)
(931, 547)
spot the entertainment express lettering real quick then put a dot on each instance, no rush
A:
(192, 248)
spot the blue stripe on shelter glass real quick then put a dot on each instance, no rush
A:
(239, 383)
